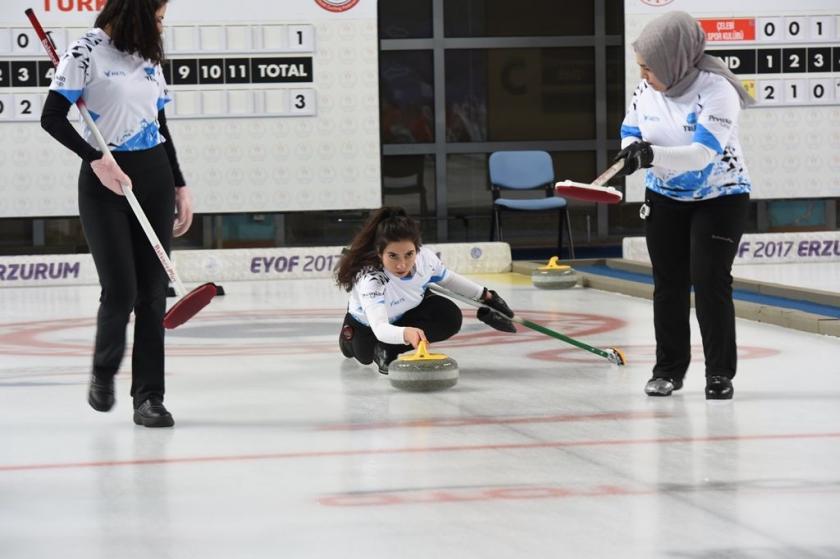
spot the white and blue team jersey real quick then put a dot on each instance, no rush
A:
(706, 114)
(122, 91)
(397, 294)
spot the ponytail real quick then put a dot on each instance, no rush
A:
(385, 225)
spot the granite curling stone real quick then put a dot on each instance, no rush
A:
(554, 276)
(423, 371)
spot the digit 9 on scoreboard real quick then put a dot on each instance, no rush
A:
(185, 72)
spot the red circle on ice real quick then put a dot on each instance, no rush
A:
(276, 332)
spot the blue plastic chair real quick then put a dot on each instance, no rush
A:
(526, 170)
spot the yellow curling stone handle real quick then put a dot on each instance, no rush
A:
(553, 265)
(423, 354)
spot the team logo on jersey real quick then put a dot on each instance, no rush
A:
(690, 122)
(337, 5)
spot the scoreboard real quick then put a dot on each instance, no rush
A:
(791, 60)
(275, 104)
(787, 55)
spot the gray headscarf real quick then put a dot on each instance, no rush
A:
(673, 48)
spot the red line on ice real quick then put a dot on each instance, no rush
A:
(417, 450)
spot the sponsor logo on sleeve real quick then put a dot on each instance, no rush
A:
(725, 122)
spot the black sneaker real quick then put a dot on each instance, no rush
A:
(719, 388)
(101, 393)
(382, 356)
(662, 386)
(151, 413)
(344, 343)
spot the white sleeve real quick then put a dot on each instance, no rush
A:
(721, 108)
(461, 285)
(629, 140)
(377, 317)
(73, 71)
(163, 89)
(436, 269)
(683, 158)
(630, 131)
(371, 291)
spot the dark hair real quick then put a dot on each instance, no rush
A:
(385, 225)
(134, 27)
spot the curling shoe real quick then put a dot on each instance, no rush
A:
(151, 413)
(344, 343)
(382, 356)
(662, 386)
(719, 388)
(101, 393)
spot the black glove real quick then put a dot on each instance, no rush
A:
(494, 319)
(492, 299)
(638, 155)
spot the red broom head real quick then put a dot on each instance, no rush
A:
(189, 305)
(588, 193)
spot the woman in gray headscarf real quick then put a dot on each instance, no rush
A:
(682, 126)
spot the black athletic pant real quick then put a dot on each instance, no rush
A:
(438, 317)
(694, 243)
(130, 273)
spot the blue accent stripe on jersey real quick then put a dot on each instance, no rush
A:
(692, 186)
(162, 101)
(360, 316)
(630, 131)
(703, 136)
(71, 95)
(147, 138)
(434, 279)
(93, 115)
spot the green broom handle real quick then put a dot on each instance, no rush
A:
(527, 323)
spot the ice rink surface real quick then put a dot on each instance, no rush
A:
(283, 448)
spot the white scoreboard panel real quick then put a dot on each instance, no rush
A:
(275, 104)
(788, 56)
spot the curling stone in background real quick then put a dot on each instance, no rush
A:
(554, 276)
(423, 371)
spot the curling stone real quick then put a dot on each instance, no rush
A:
(423, 371)
(554, 276)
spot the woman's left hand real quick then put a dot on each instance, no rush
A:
(183, 205)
